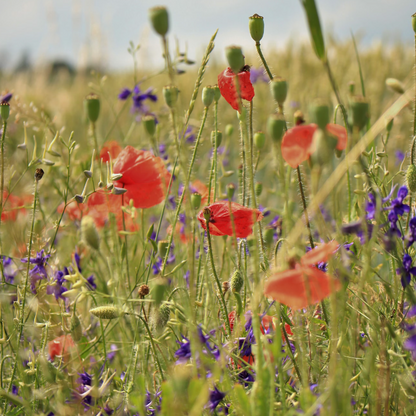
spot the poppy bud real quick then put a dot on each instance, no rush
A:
(235, 58)
(278, 88)
(143, 291)
(196, 200)
(256, 27)
(92, 107)
(414, 23)
(89, 233)
(208, 94)
(207, 214)
(88, 174)
(162, 248)
(259, 139)
(4, 110)
(275, 127)
(258, 188)
(411, 178)
(324, 146)
(106, 312)
(269, 236)
(118, 191)
(216, 138)
(237, 281)
(170, 94)
(230, 191)
(160, 19)
(299, 118)
(389, 125)
(217, 93)
(79, 198)
(39, 174)
(149, 124)
(229, 130)
(351, 87)
(161, 317)
(359, 112)
(76, 328)
(395, 85)
(320, 114)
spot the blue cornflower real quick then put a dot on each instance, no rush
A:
(6, 98)
(183, 354)
(9, 273)
(39, 271)
(258, 74)
(397, 204)
(215, 398)
(406, 270)
(138, 98)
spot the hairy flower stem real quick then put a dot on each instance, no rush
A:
(22, 309)
(215, 149)
(266, 67)
(414, 101)
(167, 58)
(3, 135)
(305, 207)
(126, 256)
(94, 135)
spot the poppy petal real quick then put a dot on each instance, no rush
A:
(340, 132)
(320, 253)
(296, 144)
(111, 147)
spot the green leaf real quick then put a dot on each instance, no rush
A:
(241, 400)
(315, 28)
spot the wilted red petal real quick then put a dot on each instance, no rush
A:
(340, 132)
(300, 287)
(320, 253)
(111, 147)
(228, 90)
(296, 144)
(74, 210)
(60, 346)
(220, 223)
(144, 176)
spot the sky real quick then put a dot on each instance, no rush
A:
(99, 31)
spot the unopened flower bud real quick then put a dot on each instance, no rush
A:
(89, 233)
(79, 198)
(161, 317)
(217, 93)
(196, 200)
(235, 58)
(162, 248)
(216, 138)
(106, 312)
(359, 112)
(143, 291)
(160, 19)
(39, 174)
(414, 23)
(230, 191)
(278, 88)
(229, 130)
(237, 281)
(208, 94)
(170, 94)
(299, 118)
(259, 140)
(256, 27)
(118, 191)
(320, 114)
(411, 178)
(92, 107)
(258, 188)
(149, 124)
(395, 85)
(4, 110)
(88, 174)
(76, 328)
(275, 127)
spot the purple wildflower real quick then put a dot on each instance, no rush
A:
(399, 157)
(6, 98)
(56, 287)
(39, 271)
(397, 204)
(183, 354)
(9, 273)
(215, 398)
(124, 94)
(258, 74)
(406, 270)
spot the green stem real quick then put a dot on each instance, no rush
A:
(94, 135)
(3, 135)
(215, 149)
(167, 58)
(414, 103)
(266, 67)
(305, 207)
(125, 242)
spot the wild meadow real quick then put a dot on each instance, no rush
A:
(208, 239)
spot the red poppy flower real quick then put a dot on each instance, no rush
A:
(144, 176)
(226, 84)
(297, 142)
(11, 207)
(74, 210)
(305, 285)
(61, 346)
(111, 147)
(220, 221)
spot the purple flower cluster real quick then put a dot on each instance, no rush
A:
(138, 97)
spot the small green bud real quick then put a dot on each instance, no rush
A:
(351, 87)
(92, 107)
(208, 94)
(106, 312)
(217, 93)
(160, 19)
(196, 200)
(324, 146)
(411, 178)
(414, 23)
(269, 236)
(235, 58)
(237, 281)
(149, 124)
(230, 191)
(275, 127)
(258, 188)
(259, 140)
(278, 88)
(229, 130)
(4, 110)
(150, 231)
(89, 233)
(389, 125)
(256, 27)
(320, 114)
(161, 317)
(170, 94)
(359, 112)
(395, 85)
(216, 138)
(76, 328)
(162, 248)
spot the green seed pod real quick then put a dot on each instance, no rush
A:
(161, 317)
(92, 107)
(414, 23)
(4, 110)
(359, 112)
(230, 191)
(395, 85)
(389, 125)
(411, 178)
(320, 114)
(170, 94)
(216, 138)
(150, 232)
(162, 248)
(235, 58)
(256, 27)
(269, 236)
(217, 93)
(237, 281)
(229, 130)
(106, 312)
(76, 327)
(149, 124)
(159, 18)
(278, 88)
(89, 233)
(258, 188)
(196, 200)
(259, 140)
(324, 146)
(208, 94)
(275, 127)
